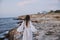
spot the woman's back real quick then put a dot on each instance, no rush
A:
(27, 28)
(27, 35)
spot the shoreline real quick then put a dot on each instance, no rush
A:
(49, 24)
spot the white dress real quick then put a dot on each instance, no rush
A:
(27, 31)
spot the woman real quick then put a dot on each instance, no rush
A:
(27, 28)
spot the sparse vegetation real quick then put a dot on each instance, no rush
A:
(56, 11)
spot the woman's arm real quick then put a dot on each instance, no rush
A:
(20, 28)
(33, 27)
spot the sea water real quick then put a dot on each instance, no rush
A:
(7, 24)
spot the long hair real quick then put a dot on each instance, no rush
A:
(27, 19)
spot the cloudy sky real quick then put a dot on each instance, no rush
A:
(13, 8)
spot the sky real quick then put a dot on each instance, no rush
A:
(14, 8)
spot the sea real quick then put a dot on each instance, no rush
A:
(7, 24)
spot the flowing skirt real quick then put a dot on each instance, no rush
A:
(27, 35)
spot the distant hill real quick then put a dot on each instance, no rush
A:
(57, 11)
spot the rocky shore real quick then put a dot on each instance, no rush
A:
(48, 26)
